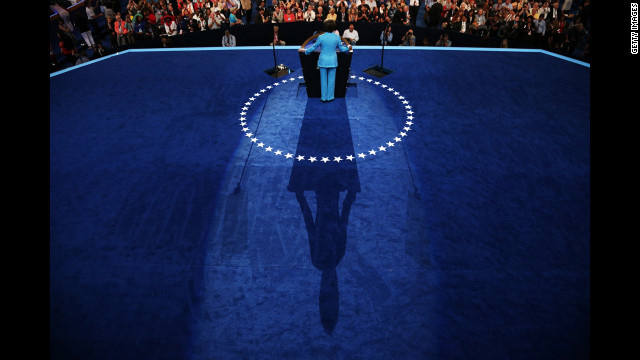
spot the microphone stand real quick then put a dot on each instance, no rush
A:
(277, 70)
(379, 70)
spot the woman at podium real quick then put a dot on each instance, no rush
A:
(328, 59)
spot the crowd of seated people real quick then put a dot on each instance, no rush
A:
(539, 24)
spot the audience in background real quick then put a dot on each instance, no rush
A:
(540, 24)
(351, 34)
(408, 39)
(386, 36)
(84, 27)
(444, 40)
(228, 40)
(276, 37)
(120, 27)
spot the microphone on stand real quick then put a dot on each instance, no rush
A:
(277, 70)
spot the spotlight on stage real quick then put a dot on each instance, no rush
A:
(278, 71)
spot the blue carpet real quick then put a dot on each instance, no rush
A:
(458, 228)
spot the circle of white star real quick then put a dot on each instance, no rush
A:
(375, 151)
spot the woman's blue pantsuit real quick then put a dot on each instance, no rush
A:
(327, 62)
(327, 83)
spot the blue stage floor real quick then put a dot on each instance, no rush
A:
(466, 234)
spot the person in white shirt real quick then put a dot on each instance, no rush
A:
(309, 15)
(216, 19)
(545, 9)
(479, 24)
(170, 27)
(370, 3)
(228, 40)
(351, 35)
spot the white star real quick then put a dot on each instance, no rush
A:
(410, 112)
(245, 129)
(337, 159)
(276, 84)
(269, 87)
(361, 155)
(390, 143)
(382, 148)
(243, 123)
(325, 159)
(406, 128)
(384, 86)
(278, 152)
(390, 89)
(261, 144)
(300, 158)
(396, 93)
(409, 123)
(263, 90)
(243, 113)
(254, 140)
(247, 103)
(248, 134)
(353, 76)
(400, 97)
(350, 157)
(372, 152)
(300, 77)
(410, 117)
(397, 139)
(256, 94)
(360, 78)
(369, 80)
(242, 119)
(288, 155)
(252, 99)
(403, 134)
(245, 108)
(405, 102)
(283, 81)
(312, 158)
(376, 83)
(268, 148)
(408, 107)
(291, 79)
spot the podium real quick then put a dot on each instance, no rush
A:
(311, 73)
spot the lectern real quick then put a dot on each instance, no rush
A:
(312, 74)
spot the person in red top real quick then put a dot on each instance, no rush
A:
(276, 38)
(120, 27)
(67, 48)
(559, 34)
(289, 16)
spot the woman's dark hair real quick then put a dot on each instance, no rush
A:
(329, 25)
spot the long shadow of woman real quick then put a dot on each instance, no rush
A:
(327, 244)
(325, 130)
